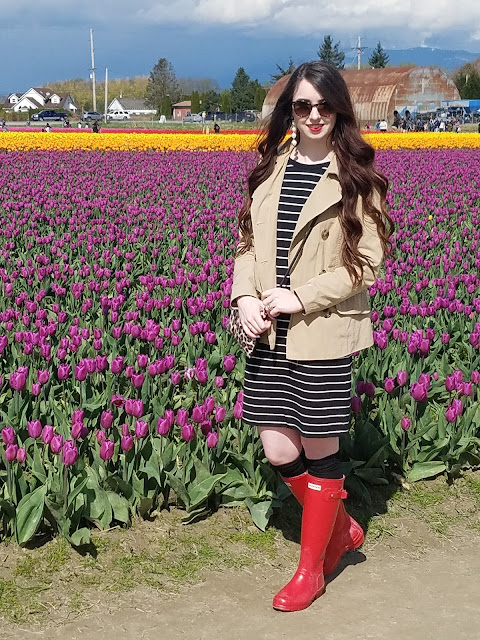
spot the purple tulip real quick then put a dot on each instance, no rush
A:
(11, 452)
(237, 410)
(182, 417)
(63, 372)
(457, 406)
(369, 389)
(356, 404)
(43, 376)
(47, 434)
(21, 455)
(212, 440)
(450, 414)
(206, 427)
(117, 400)
(163, 426)
(475, 377)
(34, 428)
(81, 372)
(134, 408)
(127, 442)
(402, 378)
(8, 435)
(175, 378)
(106, 449)
(220, 414)
(106, 419)
(198, 413)
(18, 380)
(405, 423)
(141, 429)
(229, 362)
(418, 392)
(389, 385)
(219, 382)
(56, 443)
(450, 384)
(79, 430)
(188, 432)
(138, 379)
(69, 453)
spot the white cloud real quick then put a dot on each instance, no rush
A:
(296, 17)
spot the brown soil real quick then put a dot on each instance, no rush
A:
(417, 577)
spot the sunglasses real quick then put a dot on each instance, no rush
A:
(303, 108)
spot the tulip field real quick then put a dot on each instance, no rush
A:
(120, 389)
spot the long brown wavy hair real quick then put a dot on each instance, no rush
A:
(357, 174)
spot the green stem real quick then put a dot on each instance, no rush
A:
(65, 485)
(9, 480)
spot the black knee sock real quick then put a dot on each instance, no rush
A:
(328, 467)
(291, 469)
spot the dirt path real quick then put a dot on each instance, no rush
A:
(390, 595)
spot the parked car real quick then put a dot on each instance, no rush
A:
(241, 116)
(192, 117)
(218, 116)
(118, 115)
(48, 114)
(92, 116)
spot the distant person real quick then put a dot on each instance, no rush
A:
(4, 126)
(368, 127)
(383, 126)
(216, 127)
(95, 127)
(79, 125)
(48, 128)
(377, 126)
(441, 126)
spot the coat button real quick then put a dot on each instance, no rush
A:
(325, 234)
(327, 313)
(324, 271)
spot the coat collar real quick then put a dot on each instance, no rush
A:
(325, 194)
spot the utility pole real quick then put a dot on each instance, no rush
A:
(106, 92)
(93, 72)
(359, 50)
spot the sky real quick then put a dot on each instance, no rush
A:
(48, 40)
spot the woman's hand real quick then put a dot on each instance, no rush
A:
(251, 310)
(279, 301)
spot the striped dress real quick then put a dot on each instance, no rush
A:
(311, 396)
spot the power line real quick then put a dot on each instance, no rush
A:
(359, 50)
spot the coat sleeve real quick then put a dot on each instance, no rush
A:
(244, 275)
(330, 288)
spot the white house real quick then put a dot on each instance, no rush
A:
(133, 106)
(39, 98)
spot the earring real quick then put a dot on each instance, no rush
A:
(293, 140)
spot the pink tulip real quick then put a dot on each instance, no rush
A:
(21, 455)
(47, 434)
(106, 419)
(127, 442)
(212, 439)
(188, 432)
(56, 443)
(163, 426)
(134, 408)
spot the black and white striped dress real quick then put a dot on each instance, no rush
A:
(311, 396)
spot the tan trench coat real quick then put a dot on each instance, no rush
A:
(336, 317)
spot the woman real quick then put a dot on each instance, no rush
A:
(320, 189)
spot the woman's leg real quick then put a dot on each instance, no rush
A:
(281, 445)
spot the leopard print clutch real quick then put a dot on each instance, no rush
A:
(236, 329)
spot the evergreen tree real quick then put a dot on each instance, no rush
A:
(467, 79)
(379, 59)
(210, 101)
(243, 91)
(328, 52)
(226, 101)
(166, 107)
(283, 72)
(162, 82)
(195, 100)
(260, 95)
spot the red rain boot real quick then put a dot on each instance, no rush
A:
(322, 499)
(347, 534)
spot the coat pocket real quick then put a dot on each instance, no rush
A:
(356, 305)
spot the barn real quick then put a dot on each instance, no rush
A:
(377, 93)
